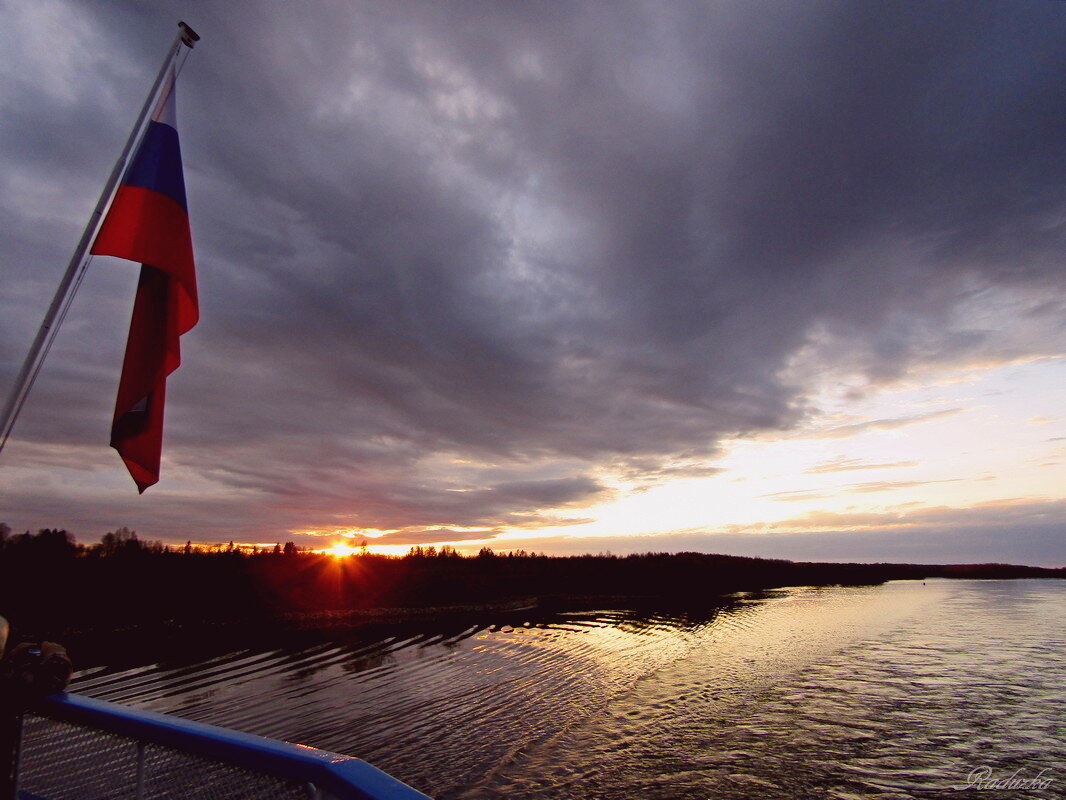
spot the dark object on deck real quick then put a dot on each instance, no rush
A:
(28, 674)
(31, 672)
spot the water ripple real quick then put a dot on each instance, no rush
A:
(888, 691)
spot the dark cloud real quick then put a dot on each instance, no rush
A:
(437, 241)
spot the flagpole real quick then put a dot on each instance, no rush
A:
(42, 343)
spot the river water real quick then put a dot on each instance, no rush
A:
(910, 689)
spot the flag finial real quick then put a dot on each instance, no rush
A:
(189, 37)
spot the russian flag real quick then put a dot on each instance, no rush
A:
(148, 221)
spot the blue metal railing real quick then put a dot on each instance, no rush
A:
(342, 777)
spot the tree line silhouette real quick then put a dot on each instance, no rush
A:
(52, 585)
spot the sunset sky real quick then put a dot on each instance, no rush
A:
(772, 278)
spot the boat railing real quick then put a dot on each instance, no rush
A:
(74, 747)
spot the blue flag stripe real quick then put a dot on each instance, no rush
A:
(157, 165)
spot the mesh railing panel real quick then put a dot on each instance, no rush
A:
(61, 761)
(64, 762)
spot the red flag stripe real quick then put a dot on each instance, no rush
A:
(149, 227)
(152, 353)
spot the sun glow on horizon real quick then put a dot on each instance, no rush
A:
(340, 550)
(935, 443)
(388, 549)
(954, 440)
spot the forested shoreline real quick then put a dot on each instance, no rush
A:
(52, 586)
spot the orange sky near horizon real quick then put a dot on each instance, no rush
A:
(982, 437)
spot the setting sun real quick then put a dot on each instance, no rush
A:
(340, 550)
